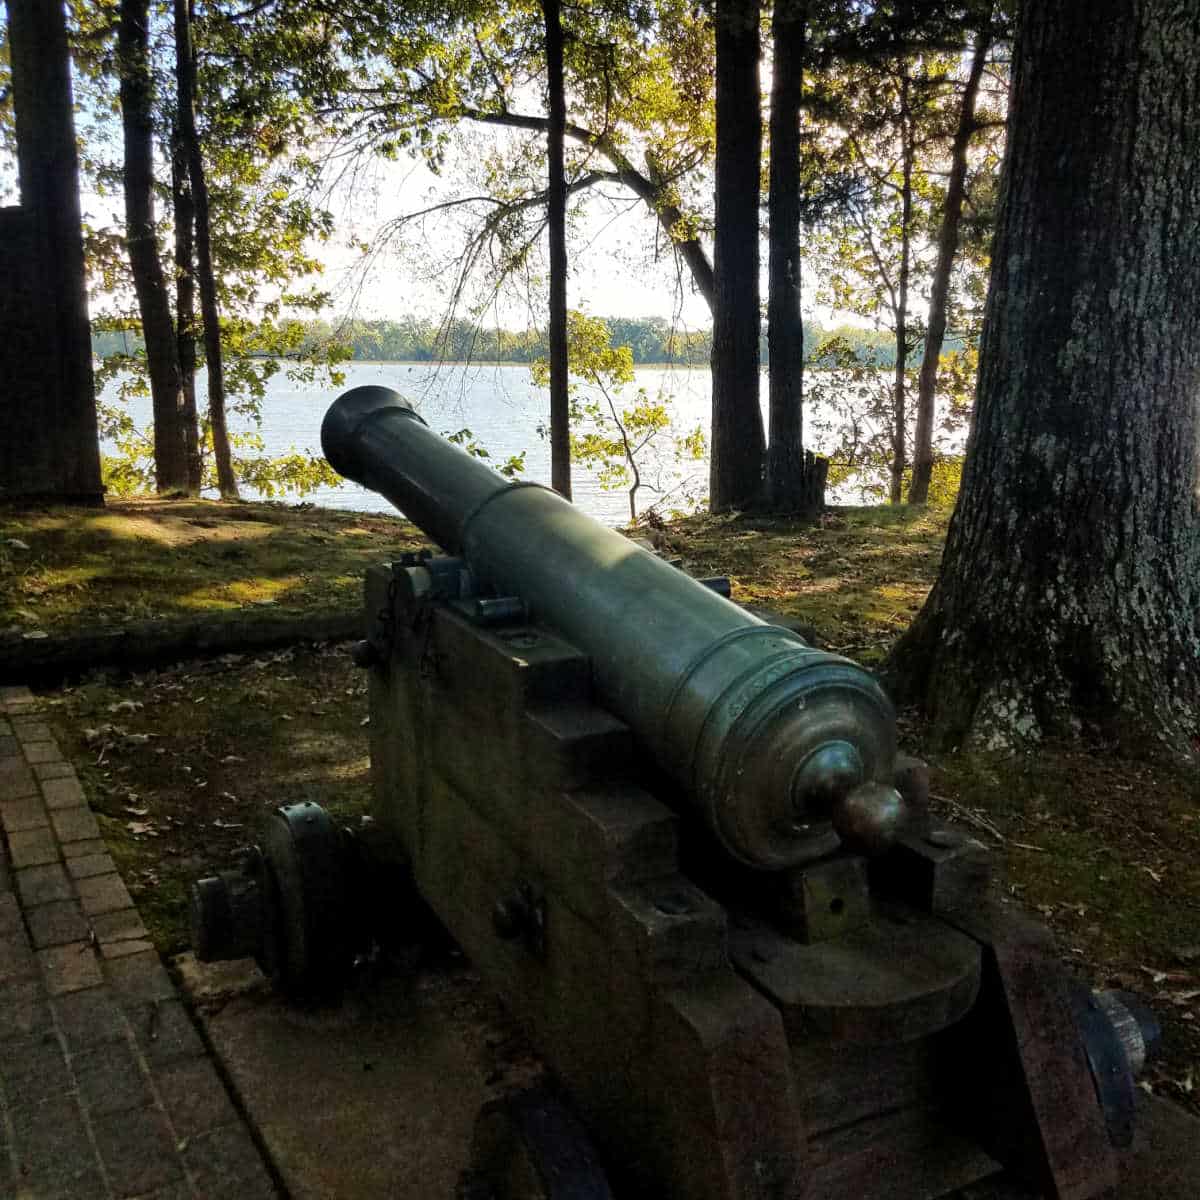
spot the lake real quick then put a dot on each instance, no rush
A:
(503, 410)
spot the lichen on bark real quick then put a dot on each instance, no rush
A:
(1070, 586)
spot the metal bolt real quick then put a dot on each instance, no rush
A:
(510, 918)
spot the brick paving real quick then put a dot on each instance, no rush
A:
(106, 1089)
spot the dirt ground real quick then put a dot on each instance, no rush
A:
(182, 764)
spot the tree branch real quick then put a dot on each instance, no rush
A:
(651, 187)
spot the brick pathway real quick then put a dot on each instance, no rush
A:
(106, 1089)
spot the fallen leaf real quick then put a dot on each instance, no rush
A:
(136, 812)
(17, 544)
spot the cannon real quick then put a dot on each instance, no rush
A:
(678, 842)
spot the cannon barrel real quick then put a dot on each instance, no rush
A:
(787, 751)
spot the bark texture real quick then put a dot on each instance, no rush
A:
(789, 475)
(205, 276)
(185, 305)
(48, 439)
(899, 385)
(738, 444)
(158, 327)
(939, 290)
(556, 205)
(1070, 586)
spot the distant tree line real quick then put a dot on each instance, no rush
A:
(651, 340)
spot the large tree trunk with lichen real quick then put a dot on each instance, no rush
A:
(738, 443)
(1070, 586)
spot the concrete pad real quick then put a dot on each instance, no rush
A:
(1164, 1163)
(377, 1099)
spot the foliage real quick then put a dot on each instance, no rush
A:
(651, 340)
(609, 434)
(266, 223)
(511, 468)
(852, 400)
(130, 470)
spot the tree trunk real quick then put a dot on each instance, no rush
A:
(185, 303)
(1070, 585)
(738, 445)
(899, 390)
(918, 491)
(158, 328)
(556, 205)
(209, 310)
(49, 447)
(786, 476)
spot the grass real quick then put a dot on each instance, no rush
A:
(134, 560)
(857, 578)
(184, 764)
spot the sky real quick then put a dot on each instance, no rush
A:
(619, 265)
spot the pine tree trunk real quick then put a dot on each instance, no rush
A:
(560, 416)
(205, 278)
(1070, 585)
(899, 389)
(939, 291)
(738, 445)
(787, 482)
(185, 304)
(49, 447)
(149, 281)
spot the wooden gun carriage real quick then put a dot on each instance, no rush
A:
(678, 842)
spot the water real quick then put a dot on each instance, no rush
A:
(503, 410)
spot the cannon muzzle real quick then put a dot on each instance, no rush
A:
(787, 751)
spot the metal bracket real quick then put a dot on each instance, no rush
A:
(522, 916)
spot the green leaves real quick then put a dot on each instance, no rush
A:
(609, 435)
